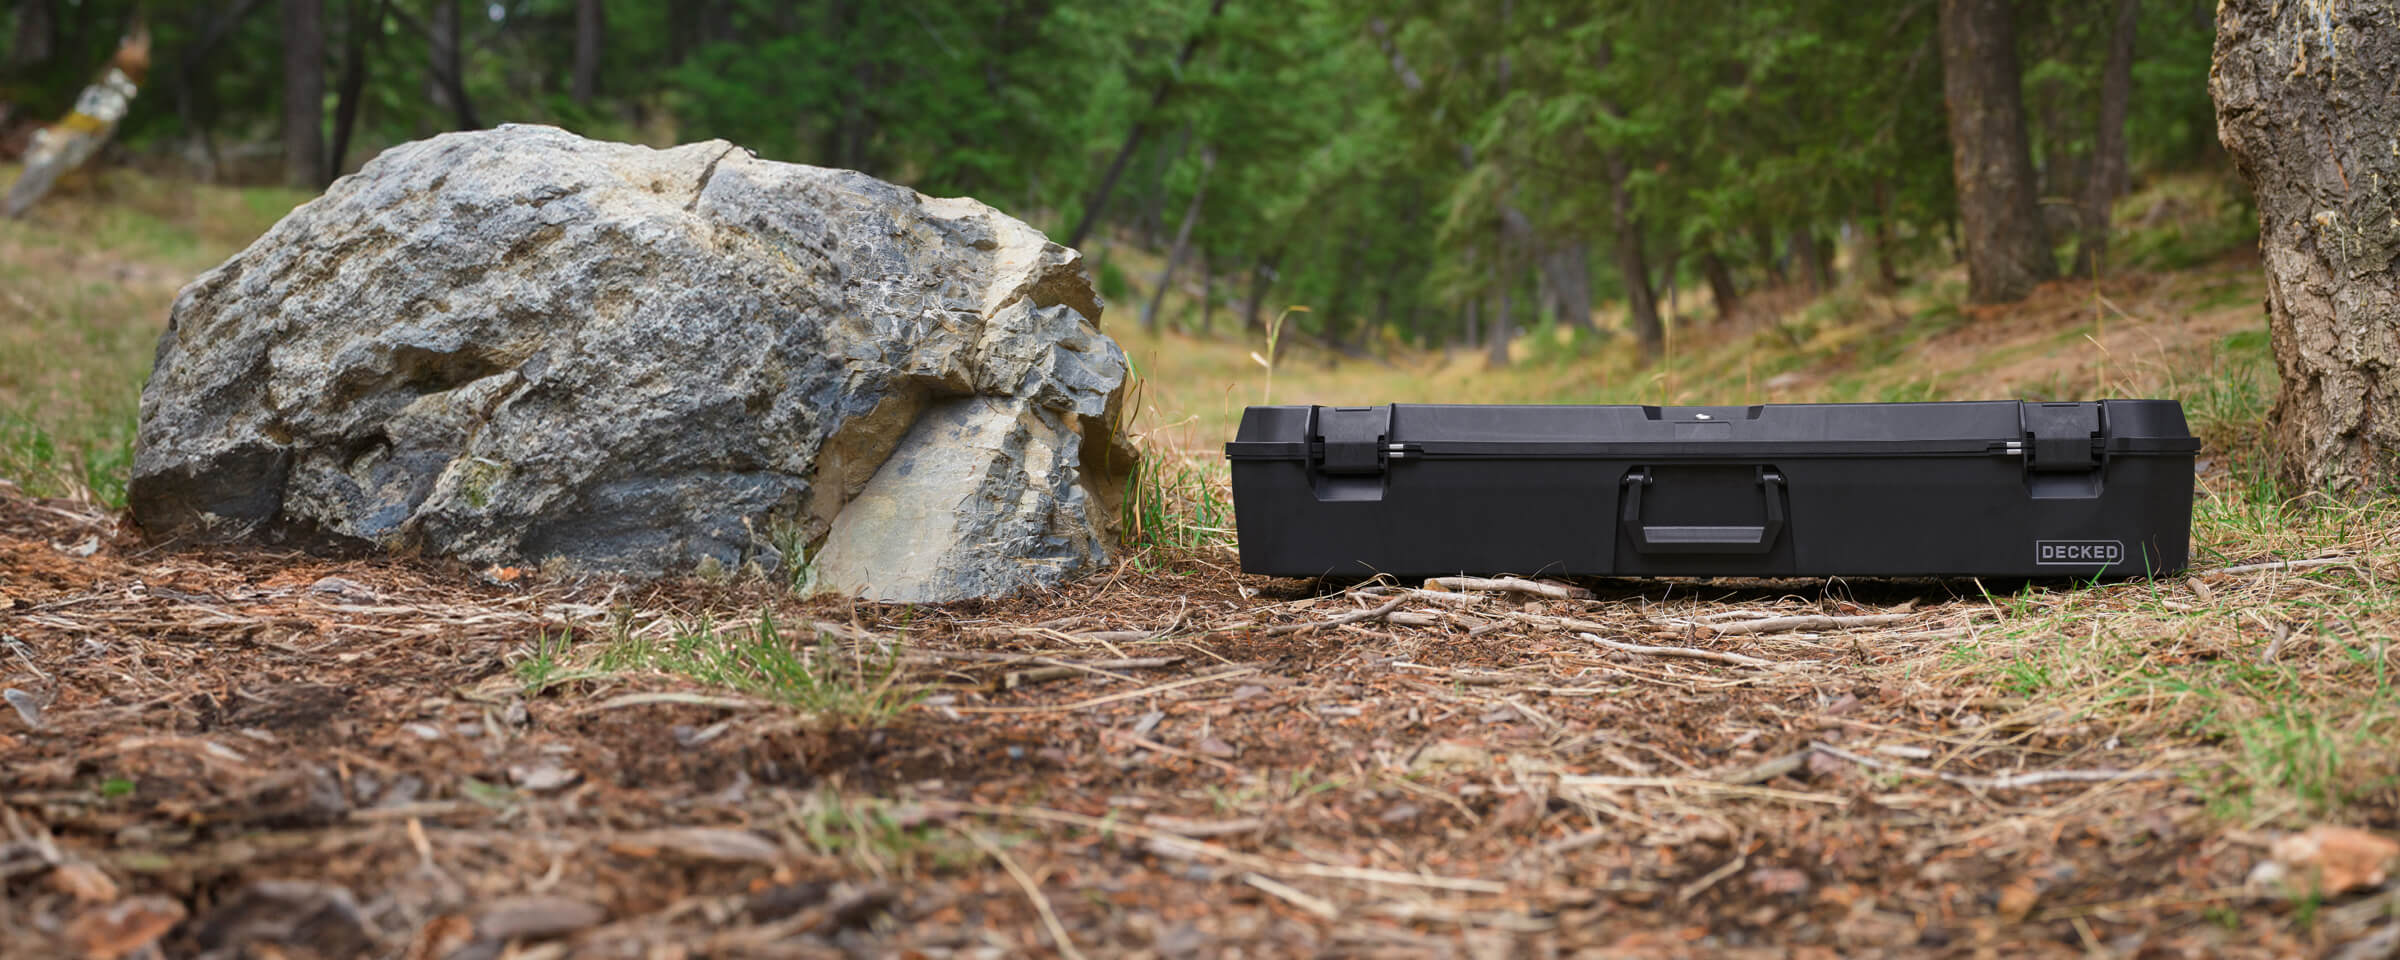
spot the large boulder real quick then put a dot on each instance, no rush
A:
(519, 345)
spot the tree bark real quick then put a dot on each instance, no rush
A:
(2310, 129)
(366, 24)
(1633, 268)
(1140, 128)
(1720, 284)
(1208, 292)
(1495, 355)
(2110, 170)
(591, 32)
(303, 92)
(1887, 269)
(446, 84)
(1813, 270)
(1183, 244)
(1567, 271)
(1764, 236)
(2006, 250)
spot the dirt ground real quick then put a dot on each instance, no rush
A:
(241, 753)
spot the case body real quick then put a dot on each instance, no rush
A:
(1989, 488)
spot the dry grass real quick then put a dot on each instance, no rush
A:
(85, 282)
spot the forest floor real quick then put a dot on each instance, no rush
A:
(229, 752)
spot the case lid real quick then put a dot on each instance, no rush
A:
(2073, 436)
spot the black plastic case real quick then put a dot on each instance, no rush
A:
(1994, 489)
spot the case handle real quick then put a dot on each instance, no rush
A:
(1702, 539)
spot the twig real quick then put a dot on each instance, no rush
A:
(1177, 843)
(1765, 771)
(1033, 892)
(1686, 652)
(1811, 621)
(1353, 617)
(1323, 909)
(2276, 565)
(1157, 747)
(1703, 786)
(684, 699)
(2006, 781)
(1700, 886)
(1111, 698)
(1555, 591)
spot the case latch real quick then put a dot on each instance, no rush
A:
(2062, 437)
(1349, 440)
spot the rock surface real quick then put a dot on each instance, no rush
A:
(518, 345)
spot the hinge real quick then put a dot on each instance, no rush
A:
(1350, 440)
(2062, 437)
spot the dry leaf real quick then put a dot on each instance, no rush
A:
(83, 882)
(2338, 859)
(441, 936)
(2016, 900)
(112, 931)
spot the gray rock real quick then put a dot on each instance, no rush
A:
(517, 345)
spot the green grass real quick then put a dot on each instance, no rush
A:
(805, 669)
(2304, 733)
(85, 282)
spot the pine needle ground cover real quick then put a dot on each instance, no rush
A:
(1177, 759)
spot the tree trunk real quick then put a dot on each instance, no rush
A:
(446, 62)
(1470, 322)
(1141, 127)
(1183, 243)
(1567, 271)
(2310, 131)
(1887, 270)
(1208, 292)
(1764, 236)
(1262, 274)
(2110, 171)
(1633, 268)
(591, 31)
(2006, 250)
(303, 92)
(37, 33)
(366, 23)
(1495, 347)
(1720, 284)
(1812, 261)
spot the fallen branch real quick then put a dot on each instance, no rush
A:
(1348, 618)
(1554, 591)
(1811, 621)
(1718, 656)
(2006, 781)
(2276, 565)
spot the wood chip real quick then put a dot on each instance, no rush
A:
(717, 844)
(533, 918)
(115, 930)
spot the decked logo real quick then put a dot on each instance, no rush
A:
(2080, 553)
